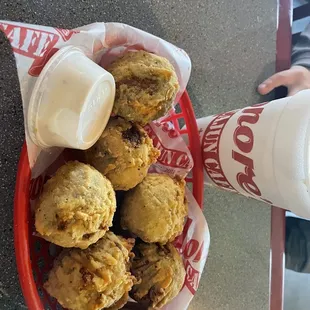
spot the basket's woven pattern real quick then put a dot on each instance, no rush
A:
(42, 257)
(43, 253)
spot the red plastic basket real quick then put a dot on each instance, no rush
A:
(33, 256)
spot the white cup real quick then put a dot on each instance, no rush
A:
(71, 102)
(262, 151)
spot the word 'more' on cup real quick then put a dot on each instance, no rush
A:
(261, 151)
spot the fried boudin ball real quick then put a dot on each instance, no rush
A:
(155, 210)
(76, 206)
(92, 279)
(123, 153)
(146, 86)
(160, 274)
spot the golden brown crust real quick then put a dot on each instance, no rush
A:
(123, 153)
(95, 278)
(146, 86)
(120, 303)
(76, 206)
(155, 209)
(160, 273)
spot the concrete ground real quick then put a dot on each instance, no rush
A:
(232, 47)
(296, 291)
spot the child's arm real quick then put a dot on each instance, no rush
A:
(297, 78)
(301, 51)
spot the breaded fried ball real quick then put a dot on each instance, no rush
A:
(146, 86)
(76, 206)
(123, 153)
(160, 274)
(92, 279)
(155, 209)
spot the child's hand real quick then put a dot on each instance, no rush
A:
(295, 79)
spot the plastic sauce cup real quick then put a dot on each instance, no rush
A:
(71, 102)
